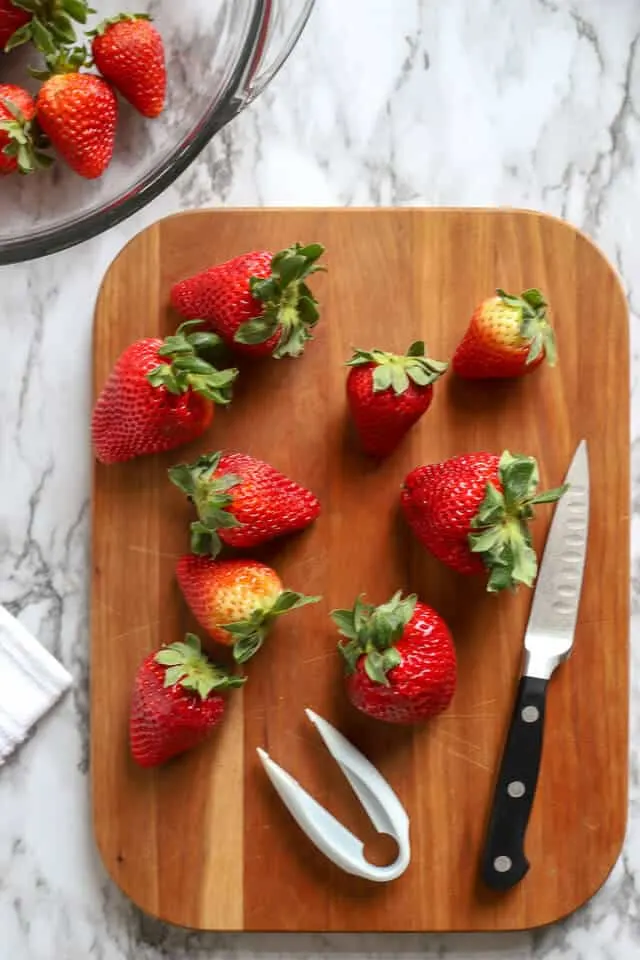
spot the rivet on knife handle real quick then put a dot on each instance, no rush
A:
(504, 862)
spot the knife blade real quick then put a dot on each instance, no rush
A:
(548, 642)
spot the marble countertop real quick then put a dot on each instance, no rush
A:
(531, 104)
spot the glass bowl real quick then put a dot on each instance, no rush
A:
(220, 55)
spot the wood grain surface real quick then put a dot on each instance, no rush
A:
(205, 842)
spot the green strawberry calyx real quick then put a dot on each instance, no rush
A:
(25, 140)
(51, 25)
(189, 668)
(371, 632)
(190, 371)
(119, 18)
(396, 371)
(535, 327)
(289, 307)
(249, 635)
(211, 497)
(501, 526)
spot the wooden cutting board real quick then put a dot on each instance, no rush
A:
(205, 842)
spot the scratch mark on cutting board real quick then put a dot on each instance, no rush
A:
(461, 756)
(324, 656)
(143, 626)
(460, 740)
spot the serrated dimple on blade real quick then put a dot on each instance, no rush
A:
(558, 587)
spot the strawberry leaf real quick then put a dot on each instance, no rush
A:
(22, 35)
(288, 600)
(535, 328)
(382, 378)
(345, 622)
(247, 646)
(351, 652)
(396, 371)
(372, 633)
(288, 305)
(374, 667)
(256, 331)
(189, 668)
(500, 530)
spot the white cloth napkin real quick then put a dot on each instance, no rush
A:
(31, 681)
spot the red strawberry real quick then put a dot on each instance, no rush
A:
(159, 395)
(507, 337)
(11, 19)
(18, 138)
(176, 702)
(78, 113)
(129, 53)
(235, 601)
(472, 512)
(400, 659)
(257, 302)
(388, 393)
(241, 501)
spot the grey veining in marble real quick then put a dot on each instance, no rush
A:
(531, 104)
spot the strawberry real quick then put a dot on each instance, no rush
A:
(235, 601)
(11, 19)
(507, 336)
(78, 113)
(159, 395)
(176, 702)
(257, 302)
(129, 53)
(400, 659)
(19, 140)
(387, 393)
(472, 512)
(241, 501)
(47, 24)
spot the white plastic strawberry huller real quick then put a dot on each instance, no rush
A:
(379, 801)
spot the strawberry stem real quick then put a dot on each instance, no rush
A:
(188, 667)
(211, 498)
(119, 18)
(249, 635)
(188, 370)
(51, 24)
(396, 371)
(290, 308)
(501, 527)
(371, 632)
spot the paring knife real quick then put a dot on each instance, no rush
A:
(548, 642)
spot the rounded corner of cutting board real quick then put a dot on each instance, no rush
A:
(132, 893)
(561, 224)
(110, 868)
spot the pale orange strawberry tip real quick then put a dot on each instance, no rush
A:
(535, 327)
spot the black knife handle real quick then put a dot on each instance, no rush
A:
(503, 861)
